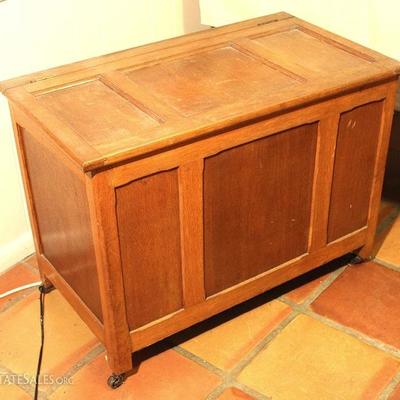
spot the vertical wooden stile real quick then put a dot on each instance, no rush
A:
(323, 174)
(191, 226)
(379, 169)
(101, 196)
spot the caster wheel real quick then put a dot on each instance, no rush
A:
(115, 381)
(357, 260)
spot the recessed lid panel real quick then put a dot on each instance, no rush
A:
(112, 108)
(98, 113)
(219, 78)
(313, 51)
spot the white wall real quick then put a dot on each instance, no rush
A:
(39, 34)
(373, 23)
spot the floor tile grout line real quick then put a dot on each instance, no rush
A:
(217, 391)
(388, 349)
(390, 388)
(204, 363)
(229, 377)
(227, 380)
(386, 264)
(27, 388)
(297, 309)
(323, 286)
(303, 308)
(220, 372)
(11, 303)
(248, 358)
(231, 383)
(85, 360)
(250, 391)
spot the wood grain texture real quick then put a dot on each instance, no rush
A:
(63, 221)
(104, 224)
(242, 133)
(214, 79)
(33, 218)
(71, 296)
(358, 136)
(379, 169)
(98, 113)
(144, 100)
(326, 145)
(136, 51)
(257, 201)
(151, 333)
(296, 45)
(192, 235)
(149, 230)
(189, 175)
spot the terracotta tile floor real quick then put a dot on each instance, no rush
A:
(333, 334)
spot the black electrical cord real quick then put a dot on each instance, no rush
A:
(42, 290)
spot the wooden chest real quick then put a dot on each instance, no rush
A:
(169, 182)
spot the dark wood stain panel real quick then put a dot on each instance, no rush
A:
(354, 169)
(148, 221)
(257, 200)
(63, 216)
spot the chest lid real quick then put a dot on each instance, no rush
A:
(123, 105)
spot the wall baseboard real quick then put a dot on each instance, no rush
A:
(15, 251)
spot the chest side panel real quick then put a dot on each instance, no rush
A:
(62, 210)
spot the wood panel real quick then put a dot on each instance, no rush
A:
(151, 333)
(257, 200)
(296, 46)
(242, 133)
(98, 113)
(143, 100)
(156, 47)
(356, 147)
(63, 220)
(148, 221)
(71, 296)
(381, 154)
(212, 79)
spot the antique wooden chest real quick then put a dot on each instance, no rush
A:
(169, 182)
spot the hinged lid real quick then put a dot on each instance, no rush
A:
(127, 104)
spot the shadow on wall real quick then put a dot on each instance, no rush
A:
(191, 16)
